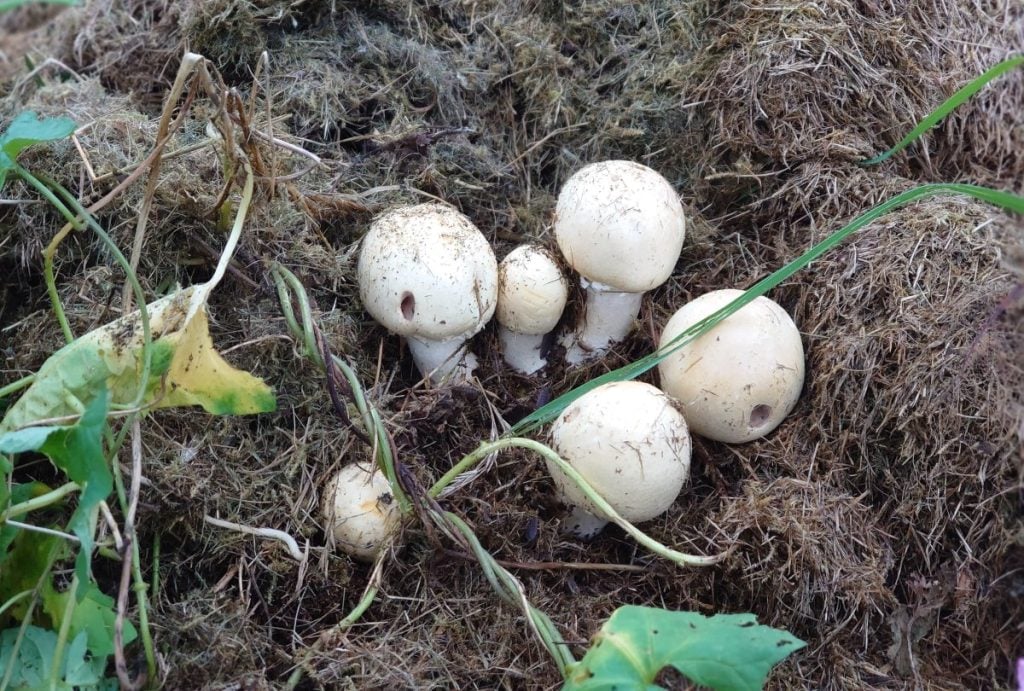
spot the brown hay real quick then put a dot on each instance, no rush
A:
(887, 504)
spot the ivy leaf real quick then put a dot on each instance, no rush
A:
(78, 451)
(24, 131)
(726, 652)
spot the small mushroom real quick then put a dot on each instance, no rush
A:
(532, 292)
(425, 272)
(360, 510)
(621, 226)
(630, 443)
(741, 379)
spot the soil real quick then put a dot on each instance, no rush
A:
(881, 522)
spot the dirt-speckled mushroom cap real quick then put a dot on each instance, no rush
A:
(359, 510)
(620, 224)
(741, 379)
(628, 440)
(532, 291)
(427, 271)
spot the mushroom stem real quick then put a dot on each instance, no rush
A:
(609, 316)
(522, 351)
(584, 524)
(442, 360)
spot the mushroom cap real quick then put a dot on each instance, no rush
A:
(628, 440)
(620, 224)
(741, 379)
(532, 291)
(360, 511)
(427, 271)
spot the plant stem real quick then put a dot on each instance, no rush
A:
(650, 543)
(48, 274)
(43, 500)
(62, 635)
(17, 385)
(511, 590)
(133, 280)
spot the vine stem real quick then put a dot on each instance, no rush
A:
(43, 500)
(16, 386)
(548, 454)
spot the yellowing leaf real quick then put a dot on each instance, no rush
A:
(185, 369)
(198, 375)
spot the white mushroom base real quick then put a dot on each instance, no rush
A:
(609, 316)
(442, 360)
(522, 351)
(584, 524)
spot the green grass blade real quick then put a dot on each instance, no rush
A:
(548, 412)
(947, 107)
(6, 5)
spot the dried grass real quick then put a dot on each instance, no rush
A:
(889, 500)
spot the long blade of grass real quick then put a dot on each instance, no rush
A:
(947, 107)
(548, 412)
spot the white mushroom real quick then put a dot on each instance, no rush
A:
(621, 226)
(630, 443)
(738, 381)
(359, 509)
(531, 296)
(425, 272)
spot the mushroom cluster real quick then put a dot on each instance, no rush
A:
(428, 274)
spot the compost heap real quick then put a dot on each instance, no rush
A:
(881, 522)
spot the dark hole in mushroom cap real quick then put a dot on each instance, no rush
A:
(408, 306)
(759, 415)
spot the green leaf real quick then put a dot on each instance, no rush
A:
(24, 131)
(186, 369)
(19, 493)
(78, 451)
(947, 107)
(726, 652)
(28, 558)
(93, 616)
(34, 661)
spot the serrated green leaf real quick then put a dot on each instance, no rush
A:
(726, 652)
(24, 131)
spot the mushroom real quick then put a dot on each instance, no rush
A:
(425, 272)
(360, 510)
(621, 226)
(630, 443)
(531, 296)
(738, 381)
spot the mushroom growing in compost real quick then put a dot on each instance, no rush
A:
(360, 510)
(531, 296)
(621, 226)
(425, 272)
(630, 443)
(738, 381)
